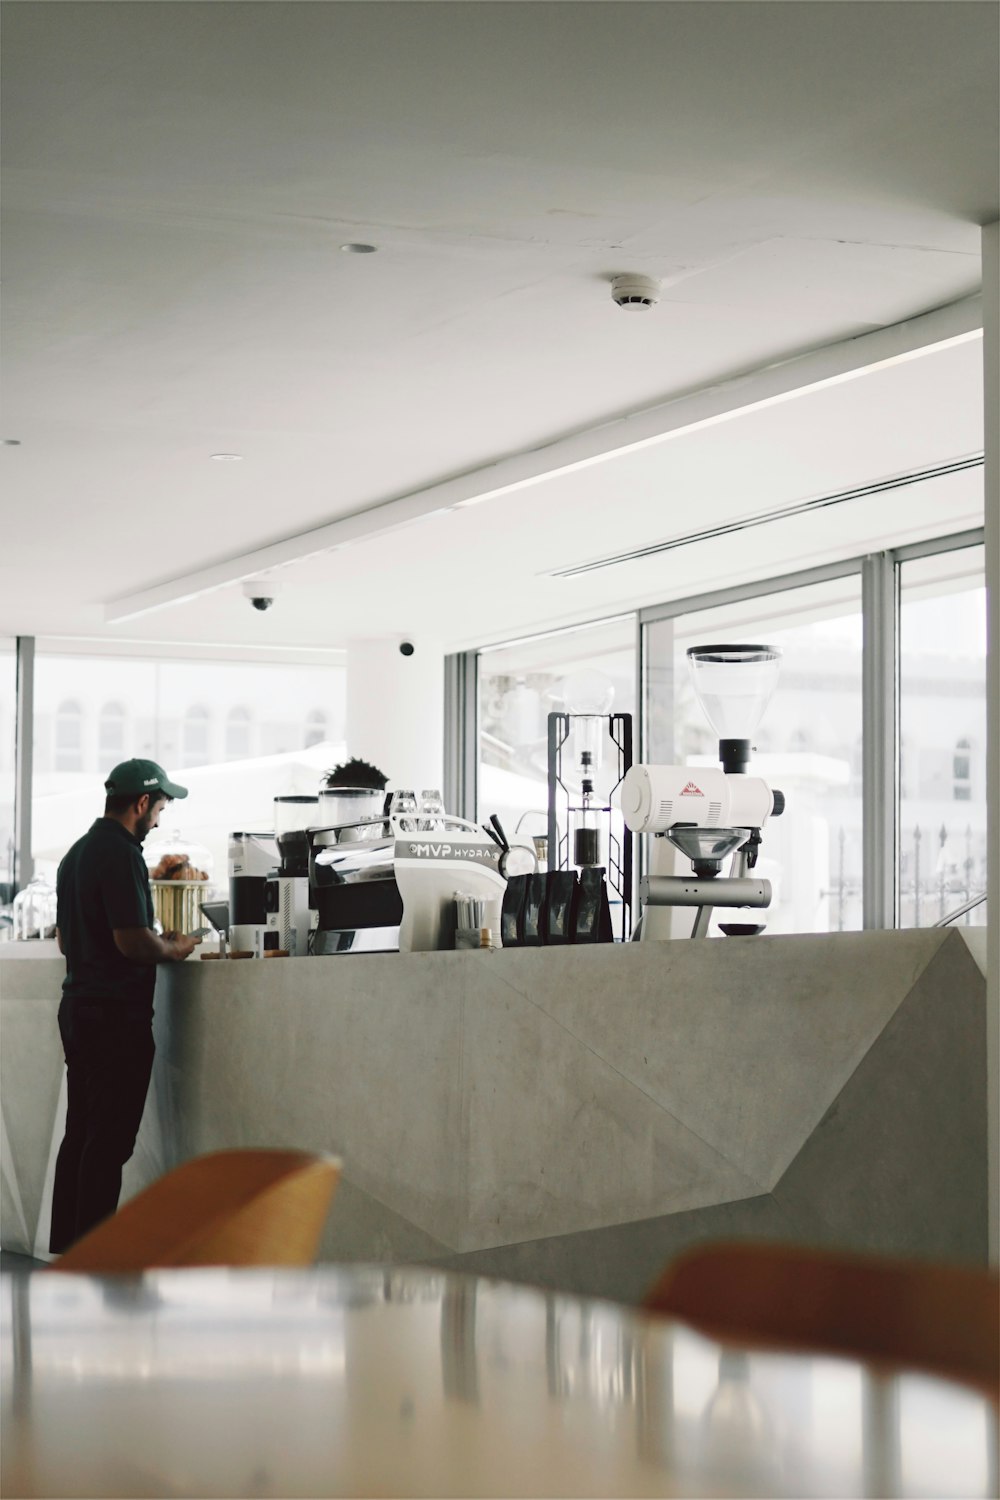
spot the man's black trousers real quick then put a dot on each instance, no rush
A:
(109, 1059)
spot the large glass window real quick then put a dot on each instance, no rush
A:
(197, 718)
(69, 736)
(111, 732)
(808, 744)
(239, 732)
(195, 735)
(942, 714)
(520, 684)
(315, 726)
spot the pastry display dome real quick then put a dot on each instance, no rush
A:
(174, 857)
(180, 872)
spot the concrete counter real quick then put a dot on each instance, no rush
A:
(571, 1116)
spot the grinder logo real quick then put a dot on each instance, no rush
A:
(692, 791)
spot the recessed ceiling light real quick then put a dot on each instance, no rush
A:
(359, 249)
(11, 442)
(228, 458)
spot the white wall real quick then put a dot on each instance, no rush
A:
(395, 709)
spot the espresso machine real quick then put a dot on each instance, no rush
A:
(383, 884)
(708, 814)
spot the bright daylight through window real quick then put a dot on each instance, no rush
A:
(808, 744)
(942, 718)
(520, 684)
(236, 733)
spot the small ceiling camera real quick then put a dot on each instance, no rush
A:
(406, 648)
(260, 592)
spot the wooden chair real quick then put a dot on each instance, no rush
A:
(230, 1208)
(944, 1319)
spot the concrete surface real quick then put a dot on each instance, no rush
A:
(566, 1116)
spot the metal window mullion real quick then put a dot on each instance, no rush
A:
(639, 743)
(879, 722)
(461, 733)
(451, 776)
(470, 735)
(24, 744)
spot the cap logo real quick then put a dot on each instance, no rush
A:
(151, 781)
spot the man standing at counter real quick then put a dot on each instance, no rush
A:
(105, 929)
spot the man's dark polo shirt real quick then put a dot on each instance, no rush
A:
(102, 884)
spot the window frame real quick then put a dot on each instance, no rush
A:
(880, 605)
(880, 705)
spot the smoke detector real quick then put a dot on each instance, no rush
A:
(632, 291)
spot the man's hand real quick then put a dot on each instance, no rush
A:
(142, 946)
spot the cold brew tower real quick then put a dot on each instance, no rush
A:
(589, 754)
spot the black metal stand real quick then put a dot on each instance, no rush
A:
(566, 809)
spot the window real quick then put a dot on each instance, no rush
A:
(166, 709)
(194, 744)
(315, 727)
(807, 744)
(239, 727)
(69, 736)
(111, 733)
(961, 770)
(942, 711)
(520, 684)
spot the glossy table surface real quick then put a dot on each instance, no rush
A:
(394, 1381)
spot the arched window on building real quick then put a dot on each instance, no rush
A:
(69, 736)
(194, 736)
(961, 770)
(111, 735)
(239, 730)
(315, 727)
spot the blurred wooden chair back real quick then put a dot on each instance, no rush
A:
(230, 1208)
(944, 1319)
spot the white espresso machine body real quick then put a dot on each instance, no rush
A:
(431, 870)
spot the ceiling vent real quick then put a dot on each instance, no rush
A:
(635, 291)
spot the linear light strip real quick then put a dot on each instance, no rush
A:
(765, 518)
(736, 396)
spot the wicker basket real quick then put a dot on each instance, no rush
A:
(176, 903)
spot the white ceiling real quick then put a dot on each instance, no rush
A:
(178, 179)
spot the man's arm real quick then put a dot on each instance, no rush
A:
(141, 945)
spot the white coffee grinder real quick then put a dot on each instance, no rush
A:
(708, 814)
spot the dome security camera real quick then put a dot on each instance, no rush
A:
(406, 648)
(260, 592)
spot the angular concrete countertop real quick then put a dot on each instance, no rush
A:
(535, 1111)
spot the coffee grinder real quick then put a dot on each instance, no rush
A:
(252, 858)
(705, 813)
(289, 920)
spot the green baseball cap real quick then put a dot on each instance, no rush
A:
(137, 776)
